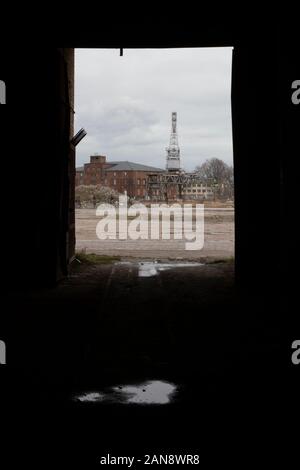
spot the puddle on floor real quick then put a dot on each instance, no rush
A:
(150, 268)
(91, 397)
(154, 392)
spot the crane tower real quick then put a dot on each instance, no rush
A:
(173, 151)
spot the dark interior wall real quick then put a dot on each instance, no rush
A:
(289, 126)
(256, 146)
(36, 189)
(266, 144)
(39, 158)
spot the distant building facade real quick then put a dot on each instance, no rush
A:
(130, 177)
(198, 191)
(123, 176)
(92, 172)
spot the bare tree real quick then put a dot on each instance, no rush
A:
(216, 173)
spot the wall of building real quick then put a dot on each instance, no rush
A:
(95, 172)
(198, 191)
(133, 182)
(39, 215)
(92, 172)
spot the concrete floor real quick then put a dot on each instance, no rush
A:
(106, 326)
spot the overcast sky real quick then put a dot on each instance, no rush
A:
(125, 104)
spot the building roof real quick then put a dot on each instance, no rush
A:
(80, 168)
(131, 166)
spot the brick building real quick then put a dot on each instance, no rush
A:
(119, 175)
(92, 172)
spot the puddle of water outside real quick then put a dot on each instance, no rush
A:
(149, 268)
(154, 392)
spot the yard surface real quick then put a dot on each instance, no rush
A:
(218, 239)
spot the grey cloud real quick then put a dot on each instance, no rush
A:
(125, 104)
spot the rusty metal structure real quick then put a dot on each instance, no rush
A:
(159, 184)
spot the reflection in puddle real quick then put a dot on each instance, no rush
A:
(90, 397)
(153, 392)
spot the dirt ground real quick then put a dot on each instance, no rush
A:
(218, 239)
